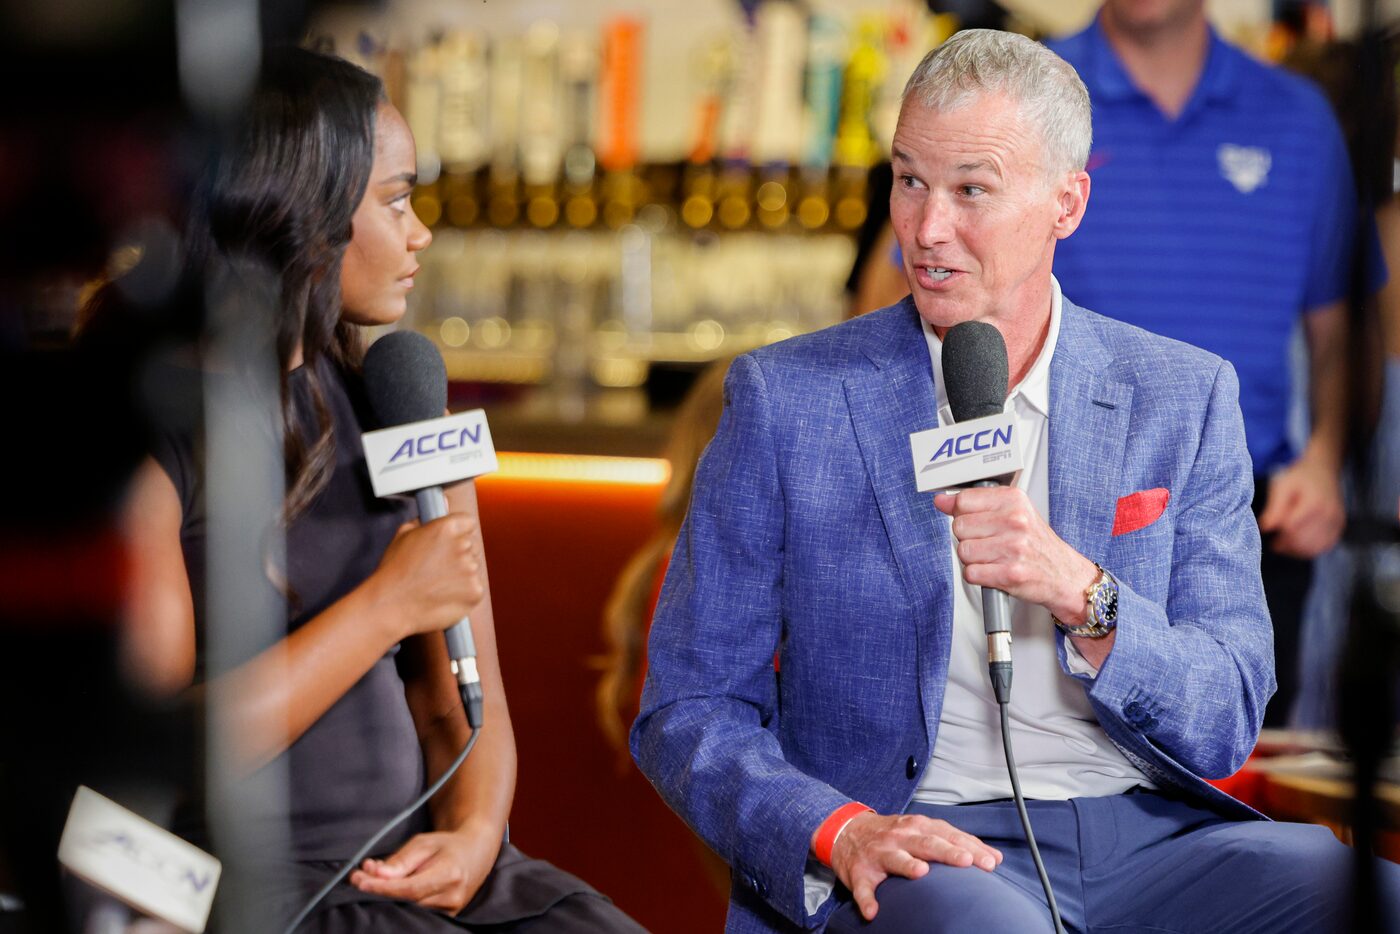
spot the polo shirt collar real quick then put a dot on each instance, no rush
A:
(1108, 80)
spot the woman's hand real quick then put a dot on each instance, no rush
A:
(435, 870)
(430, 575)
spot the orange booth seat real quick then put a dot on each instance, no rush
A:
(558, 530)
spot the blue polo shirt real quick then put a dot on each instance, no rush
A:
(1221, 227)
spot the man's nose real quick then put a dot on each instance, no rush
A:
(935, 221)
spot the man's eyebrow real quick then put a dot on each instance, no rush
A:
(410, 177)
(899, 155)
(979, 165)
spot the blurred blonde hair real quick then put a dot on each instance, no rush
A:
(627, 615)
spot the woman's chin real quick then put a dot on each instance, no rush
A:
(387, 312)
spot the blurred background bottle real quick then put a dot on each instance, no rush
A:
(621, 193)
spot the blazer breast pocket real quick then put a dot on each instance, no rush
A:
(1139, 552)
(1139, 510)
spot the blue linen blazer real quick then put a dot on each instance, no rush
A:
(807, 541)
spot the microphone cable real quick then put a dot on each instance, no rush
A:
(397, 819)
(999, 668)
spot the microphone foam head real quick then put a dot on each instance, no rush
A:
(405, 379)
(974, 370)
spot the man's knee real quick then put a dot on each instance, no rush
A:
(1300, 873)
(949, 900)
(1288, 853)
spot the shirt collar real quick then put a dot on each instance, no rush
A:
(1034, 390)
(1109, 80)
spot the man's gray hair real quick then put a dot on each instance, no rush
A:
(1046, 89)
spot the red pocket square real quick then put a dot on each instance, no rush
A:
(1139, 510)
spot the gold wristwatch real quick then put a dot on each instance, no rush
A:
(1101, 601)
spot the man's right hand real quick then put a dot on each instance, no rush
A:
(873, 847)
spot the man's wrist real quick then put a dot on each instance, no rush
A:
(1324, 452)
(824, 840)
(1074, 608)
(1100, 609)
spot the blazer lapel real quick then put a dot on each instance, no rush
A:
(1089, 418)
(886, 406)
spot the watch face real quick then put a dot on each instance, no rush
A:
(1106, 604)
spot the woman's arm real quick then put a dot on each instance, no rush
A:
(444, 869)
(428, 578)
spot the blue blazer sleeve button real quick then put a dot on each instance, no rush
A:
(911, 767)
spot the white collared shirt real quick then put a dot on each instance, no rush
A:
(1061, 751)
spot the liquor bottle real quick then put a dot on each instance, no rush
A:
(541, 135)
(734, 195)
(826, 53)
(503, 184)
(700, 188)
(422, 110)
(856, 149)
(910, 31)
(781, 38)
(781, 34)
(578, 66)
(618, 82)
(464, 130)
(393, 71)
(714, 65)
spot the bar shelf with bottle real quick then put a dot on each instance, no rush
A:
(571, 253)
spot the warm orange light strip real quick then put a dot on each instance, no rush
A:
(583, 468)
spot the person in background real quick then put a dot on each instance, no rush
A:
(627, 615)
(632, 603)
(1224, 212)
(877, 275)
(353, 698)
(1369, 122)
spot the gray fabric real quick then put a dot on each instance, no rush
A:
(521, 895)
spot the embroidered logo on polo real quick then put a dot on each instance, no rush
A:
(1245, 167)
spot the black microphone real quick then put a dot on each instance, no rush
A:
(406, 381)
(975, 377)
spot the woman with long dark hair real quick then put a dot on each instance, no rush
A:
(355, 698)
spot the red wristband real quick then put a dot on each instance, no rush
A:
(831, 828)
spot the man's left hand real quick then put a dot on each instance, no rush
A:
(1304, 509)
(1004, 543)
(436, 870)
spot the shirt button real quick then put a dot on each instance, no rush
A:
(911, 767)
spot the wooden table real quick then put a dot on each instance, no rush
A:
(1301, 794)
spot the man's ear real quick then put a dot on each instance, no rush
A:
(1072, 197)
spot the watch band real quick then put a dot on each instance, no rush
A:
(1101, 601)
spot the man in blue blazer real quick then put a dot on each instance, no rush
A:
(817, 706)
